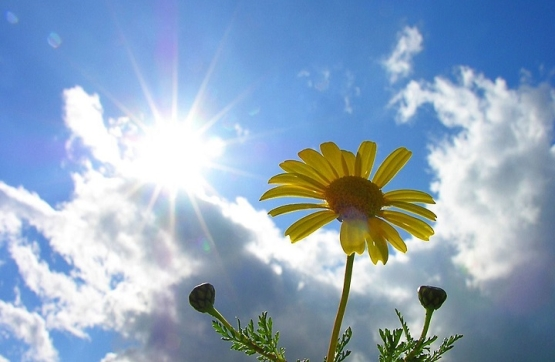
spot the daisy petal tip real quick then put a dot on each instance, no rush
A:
(351, 249)
(375, 261)
(292, 239)
(264, 196)
(426, 238)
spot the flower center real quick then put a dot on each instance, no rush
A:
(354, 197)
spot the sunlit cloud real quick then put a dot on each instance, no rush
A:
(117, 258)
(83, 116)
(399, 64)
(493, 176)
(242, 133)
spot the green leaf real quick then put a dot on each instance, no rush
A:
(253, 341)
(340, 352)
(395, 350)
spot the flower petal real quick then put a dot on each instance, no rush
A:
(295, 207)
(352, 236)
(409, 223)
(415, 209)
(290, 191)
(377, 248)
(389, 233)
(295, 179)
(408, 196)
(285, 178)
(348, 163)
(333, 154)
(301, 168)
(390, 166)
(365, 157)
(318, 162)
(305, 226)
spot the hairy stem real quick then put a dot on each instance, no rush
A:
(416, 349)
(341, 309)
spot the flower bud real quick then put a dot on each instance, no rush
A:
(202, 297)
(431, 297)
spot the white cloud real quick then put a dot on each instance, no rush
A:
(120, 262)
(318, 79)
(333, 84)
(322, 81)
(241, 132)
(348, 107)
(271, 246)
(83, 116)
(399, 63)
(494, 175)
(29, 327)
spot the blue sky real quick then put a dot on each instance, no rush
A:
(107, 222)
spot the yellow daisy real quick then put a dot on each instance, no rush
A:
(340, 180)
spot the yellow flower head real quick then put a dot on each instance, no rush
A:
(340, 179)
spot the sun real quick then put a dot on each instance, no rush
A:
(173, 156)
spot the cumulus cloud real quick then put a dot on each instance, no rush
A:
(83, 116)
(110, 246)
(399, 63)
(494, 180)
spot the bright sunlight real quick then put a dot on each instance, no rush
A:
(173, 156)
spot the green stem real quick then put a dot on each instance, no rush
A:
(216, 314)
(341, 309)
(271, 356)
(427, 320)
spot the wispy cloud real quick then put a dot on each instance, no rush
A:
(399, 64)
(336, 82)
(318, 79)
